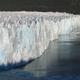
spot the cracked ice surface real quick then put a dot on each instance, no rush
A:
(25, 35)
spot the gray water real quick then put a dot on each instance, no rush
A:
(60, 61)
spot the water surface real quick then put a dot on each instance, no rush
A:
(60, 61)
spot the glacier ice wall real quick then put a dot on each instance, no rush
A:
(25, 35)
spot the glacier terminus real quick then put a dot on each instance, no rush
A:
(26, 35)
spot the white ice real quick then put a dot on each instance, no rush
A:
(26, 35)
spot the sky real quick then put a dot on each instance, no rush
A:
(71, 6)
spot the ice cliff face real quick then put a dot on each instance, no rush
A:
(25, 35)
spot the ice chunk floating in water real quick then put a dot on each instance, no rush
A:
(25, 35)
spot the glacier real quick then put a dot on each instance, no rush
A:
(26, 35)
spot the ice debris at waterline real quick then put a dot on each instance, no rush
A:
(25, 35)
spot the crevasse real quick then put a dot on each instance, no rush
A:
(25, 35)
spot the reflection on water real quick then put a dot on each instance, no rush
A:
(61, 57)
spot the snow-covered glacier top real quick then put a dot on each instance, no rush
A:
(25, 35)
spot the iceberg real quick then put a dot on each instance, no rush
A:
(26, 35)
